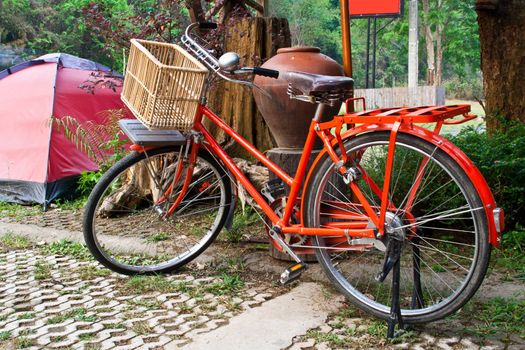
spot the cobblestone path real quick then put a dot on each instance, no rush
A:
(49, 301)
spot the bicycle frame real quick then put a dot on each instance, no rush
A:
(395, 121)
(295, 183)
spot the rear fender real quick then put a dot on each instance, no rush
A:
(465, 163)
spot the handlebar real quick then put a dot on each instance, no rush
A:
(208, 25)
(266, 72)
(212, 62)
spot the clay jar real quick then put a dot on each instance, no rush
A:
(289, 119)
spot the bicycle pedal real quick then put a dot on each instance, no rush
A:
(293, 272)
(273, 189)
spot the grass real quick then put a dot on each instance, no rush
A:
(242, 221)
(26, 316)
(87, 336)
(22, 342)
(74, 204)
(229, 284)
(150, 304)
(147, 284)
(19, 212)
(114, 325)
(42, 270)
(141, 328)
(4, 335)
(320, 337)
(158, 237)
(497, 315)
(511, 255)
(88, 272)
(11, 240)
(68, 247)
(78, 314)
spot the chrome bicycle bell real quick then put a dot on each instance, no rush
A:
(229, 61)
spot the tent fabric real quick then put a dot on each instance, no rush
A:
(37, 162)
(64, 60)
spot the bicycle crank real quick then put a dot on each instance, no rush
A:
(293, 272)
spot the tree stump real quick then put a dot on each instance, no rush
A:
(288, 159)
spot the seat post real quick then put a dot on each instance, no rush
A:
(319, 111)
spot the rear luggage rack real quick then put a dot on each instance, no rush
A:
(141, 135)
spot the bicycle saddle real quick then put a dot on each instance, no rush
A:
(315, 84)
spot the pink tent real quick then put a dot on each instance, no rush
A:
(37, 162)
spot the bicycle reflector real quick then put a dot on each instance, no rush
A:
(499, 219)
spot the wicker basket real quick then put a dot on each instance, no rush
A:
(163, 85)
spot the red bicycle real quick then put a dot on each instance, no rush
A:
(399, 218)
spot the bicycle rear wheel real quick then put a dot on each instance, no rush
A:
(443, 227)
(125, 223)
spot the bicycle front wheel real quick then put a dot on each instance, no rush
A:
(126, 225)
(433, 206)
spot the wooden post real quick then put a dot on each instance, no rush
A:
(347, 41)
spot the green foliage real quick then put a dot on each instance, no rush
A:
(500, 157)
(460, 88)
(94, 29)
(102, 143)
(312, 22)
(242, 221)
(511, 254)
(158, 237)
(77, 203)
(101, 29)
(88, 180)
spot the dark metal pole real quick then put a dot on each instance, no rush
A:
(367, 74)
(374, 55)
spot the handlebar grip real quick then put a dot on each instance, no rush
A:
(266, 72)
(207, 25)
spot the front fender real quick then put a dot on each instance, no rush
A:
(464, 162)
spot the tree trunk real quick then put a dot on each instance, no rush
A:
(438, 78)
(255, 39)
(501, 31)
(429, 44)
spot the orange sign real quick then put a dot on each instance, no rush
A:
(376, 8)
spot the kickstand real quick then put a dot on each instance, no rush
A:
(395, 309)
(417, 293)
(392, 263)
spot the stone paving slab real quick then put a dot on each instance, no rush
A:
(273, 324)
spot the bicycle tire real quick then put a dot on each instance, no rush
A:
(133, 238)
(439, 242)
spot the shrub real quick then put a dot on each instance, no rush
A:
(500, 157)
(464, 89)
